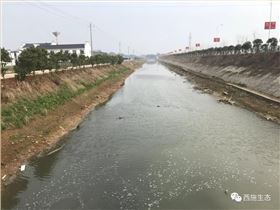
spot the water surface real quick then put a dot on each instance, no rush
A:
(158, 143)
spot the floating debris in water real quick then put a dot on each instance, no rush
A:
(51, 152)
(3, 177)
(22, 168)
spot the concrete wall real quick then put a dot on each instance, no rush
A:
(259, 75)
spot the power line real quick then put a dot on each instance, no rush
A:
(120, 47)
(64, 14)
(59, 11)
(43, 8)
(270, 14)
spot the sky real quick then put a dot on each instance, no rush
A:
(141, 27)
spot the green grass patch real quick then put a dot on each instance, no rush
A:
(19, 113)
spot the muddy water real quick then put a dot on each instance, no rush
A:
(157, 143)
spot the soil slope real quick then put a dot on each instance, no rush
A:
(42, 130)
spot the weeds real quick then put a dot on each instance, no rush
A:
(19, 113)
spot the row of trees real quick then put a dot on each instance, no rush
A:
(5, 58)
(33, 59)
(257, 46)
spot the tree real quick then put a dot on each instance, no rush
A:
(42, 59)
(231, 49)
(264, 47)
(32, 59)
(92, 60)
(237, 49)
(218, 50)
(225, 50)
(112, 59)
(81, 60)
(74, 59)
(66, 56)
(20, 73)
(63, 59)
(272, 42)
(120, 59)
(27, 62)
(257, 44)
(53, 61)
(247, 46)
(5, 58)
(99, 58)
(60, 59)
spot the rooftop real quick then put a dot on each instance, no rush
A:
(50, 46)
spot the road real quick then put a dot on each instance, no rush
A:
(39, 72)
(157, 144)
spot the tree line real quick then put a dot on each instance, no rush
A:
(5, 58)
(257, 46)
(35, 58)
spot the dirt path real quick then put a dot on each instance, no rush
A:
(42, 133)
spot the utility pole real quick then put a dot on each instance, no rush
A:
(270, 14)
(90, 30)
(56, 34)
(218, 34)
(128, 51)
(190, 41)
(120, 50)
(254, 35)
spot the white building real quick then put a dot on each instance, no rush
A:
(84, 49)
(79, 49)
(14, 56)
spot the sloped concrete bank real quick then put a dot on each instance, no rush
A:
(51, 106)
(257, 72)
(255, 77)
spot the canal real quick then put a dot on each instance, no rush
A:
(157, 144)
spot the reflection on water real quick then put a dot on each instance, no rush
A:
(157, 144)
(43, 166)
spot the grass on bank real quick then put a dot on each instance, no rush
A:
(19, 113)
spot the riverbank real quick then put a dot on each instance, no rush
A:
(258, 72)
(157, 144)
(37, 115)
(231, 94)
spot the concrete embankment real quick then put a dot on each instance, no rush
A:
(258, 72)
(253, 81)
(38, 112)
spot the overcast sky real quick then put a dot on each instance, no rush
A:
(145, 26)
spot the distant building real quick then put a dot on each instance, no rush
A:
(151, 58)
(79, 49)
(14, 56)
